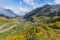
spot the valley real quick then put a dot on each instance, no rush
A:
(39, 24)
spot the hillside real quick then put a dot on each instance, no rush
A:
(46, 10)
(7, 13)
(30, 31)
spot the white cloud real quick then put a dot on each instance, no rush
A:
(23, 11)
(13, 9)
(6, 7)
(57, 1)
(32, 3)
(26, 10)
(5, 4)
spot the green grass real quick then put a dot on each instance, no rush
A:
(9, 25)
(2, 23)
(50, 33)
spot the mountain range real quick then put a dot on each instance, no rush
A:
(7, 13)
(46, 10)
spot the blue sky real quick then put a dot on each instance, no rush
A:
(21, 7)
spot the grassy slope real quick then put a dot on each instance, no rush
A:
(10, 23)
(50, 31)
(29, 31)
(43, 32)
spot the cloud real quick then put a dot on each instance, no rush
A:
(37, 3)
(13, 9)
(7, 4)
(31, 3)
(57, 1)
(23, 11)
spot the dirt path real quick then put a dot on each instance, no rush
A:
(3, 26)
(4, 30)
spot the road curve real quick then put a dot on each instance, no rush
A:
(4, 30)
(3, 26)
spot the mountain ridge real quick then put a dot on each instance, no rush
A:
(46, 10)
(7, 13)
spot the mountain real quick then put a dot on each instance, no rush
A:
(7, 13)
(46, 10)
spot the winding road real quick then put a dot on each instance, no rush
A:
(3, 26)
(4, 30)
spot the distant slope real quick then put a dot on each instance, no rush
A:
(46, 10)
(7, 13)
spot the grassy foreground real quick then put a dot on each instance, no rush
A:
(49, 31)
(28, 31)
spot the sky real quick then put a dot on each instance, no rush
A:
(22, 7)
